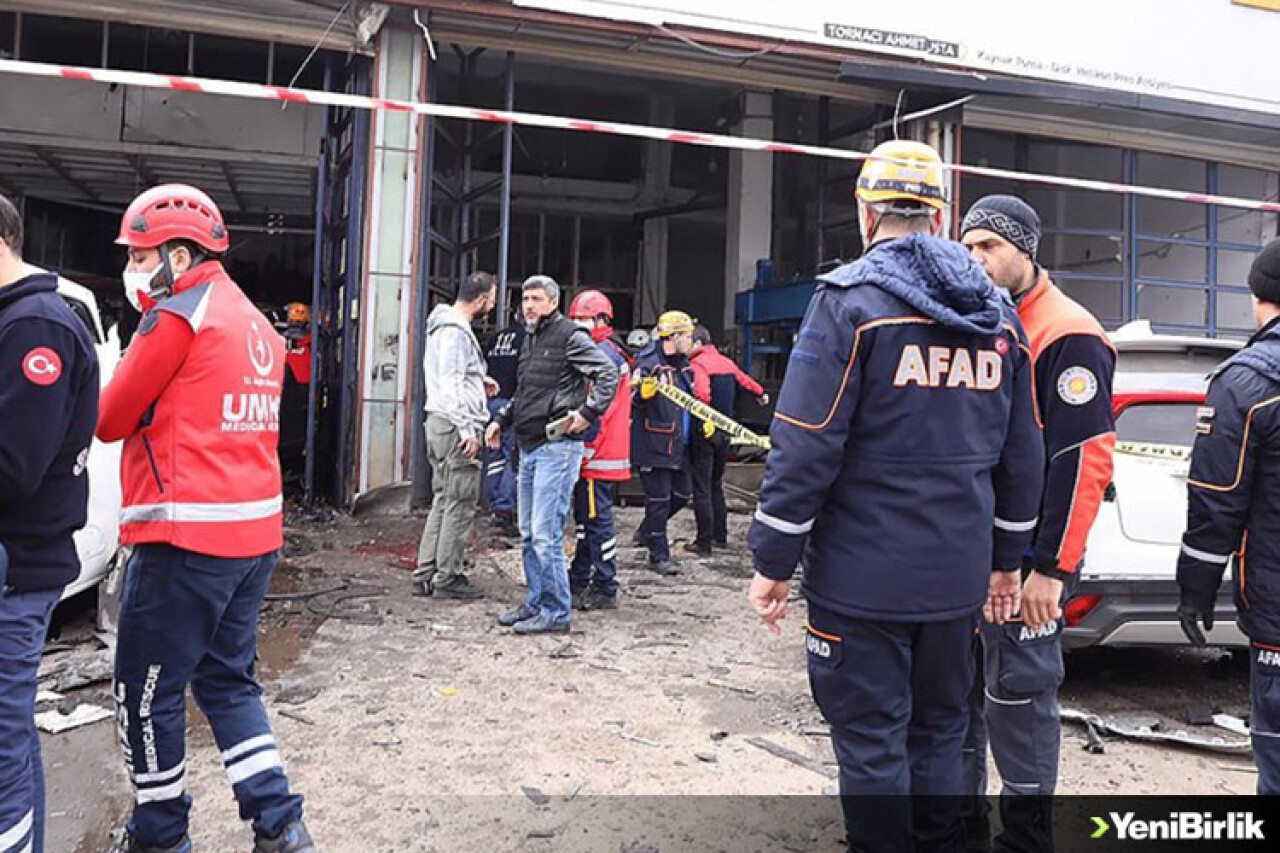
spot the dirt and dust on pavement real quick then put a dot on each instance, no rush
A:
(416, 724)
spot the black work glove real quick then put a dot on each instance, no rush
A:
(1190, 615)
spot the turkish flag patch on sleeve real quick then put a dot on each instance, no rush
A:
(42, 366)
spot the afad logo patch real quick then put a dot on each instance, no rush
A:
(42, 366)
(1077, 386)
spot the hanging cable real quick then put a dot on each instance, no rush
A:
(426, 34)
(713, 51)
(316, 48)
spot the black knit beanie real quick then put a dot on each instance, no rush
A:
(1264, 275)
(1008, 216)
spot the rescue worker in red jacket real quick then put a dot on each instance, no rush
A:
(716, 380)
(606, 460)
(297, 380)
(297, 336)
(196, 401)
(1073, 362)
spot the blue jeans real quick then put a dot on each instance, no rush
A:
(24, 621)
(500, 468)
(547, 475)
(187, 618)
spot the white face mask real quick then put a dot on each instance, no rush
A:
(138, 283)
(586, 324)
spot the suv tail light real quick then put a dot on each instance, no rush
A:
(1080, 607)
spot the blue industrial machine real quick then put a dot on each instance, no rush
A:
(769, 315)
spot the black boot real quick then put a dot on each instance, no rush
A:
(294, 839)
(596, 600)
(124, 842)
(700, 551)
(667, 567)
(518, 614)
(458, 587)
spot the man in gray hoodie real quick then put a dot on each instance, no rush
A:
(457, 386)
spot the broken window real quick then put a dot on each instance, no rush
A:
(288, 62)
(223, 58)
(61, 41)
(8, 32)
(159, 51)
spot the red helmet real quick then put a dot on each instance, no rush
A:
(173, 212)
(590, 304)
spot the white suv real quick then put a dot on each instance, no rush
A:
(1128, 591)
(98, 542)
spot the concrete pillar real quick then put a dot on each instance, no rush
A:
(386, 297)
(652, 296)
(942, 136)
(653, 264)
(749, 219)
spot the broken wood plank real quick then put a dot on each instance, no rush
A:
(738, 688)
(794, 757)
(653, 644)
(294, 715)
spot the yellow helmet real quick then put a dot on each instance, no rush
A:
(902, 170)
(673, 323)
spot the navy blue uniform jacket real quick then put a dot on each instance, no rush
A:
(907, 458)
(1233, 492)
(48, 409)
(659, 428)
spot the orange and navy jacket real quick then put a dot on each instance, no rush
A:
(1233, 491)
(716, 377)
(907, 459)
(607, 454)
(1074, 366)
(196, 400)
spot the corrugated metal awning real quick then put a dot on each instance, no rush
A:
(330, 23)
(109, 176)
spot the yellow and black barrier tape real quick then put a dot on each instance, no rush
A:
(737, 433)
(1154, 450)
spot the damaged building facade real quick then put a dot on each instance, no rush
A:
(372, 217)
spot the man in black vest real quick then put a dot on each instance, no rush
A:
(564, 384)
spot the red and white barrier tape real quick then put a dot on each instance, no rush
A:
(335, 99)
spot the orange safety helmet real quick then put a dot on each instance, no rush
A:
(173, 212)
(590, 304)
(297, 312)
